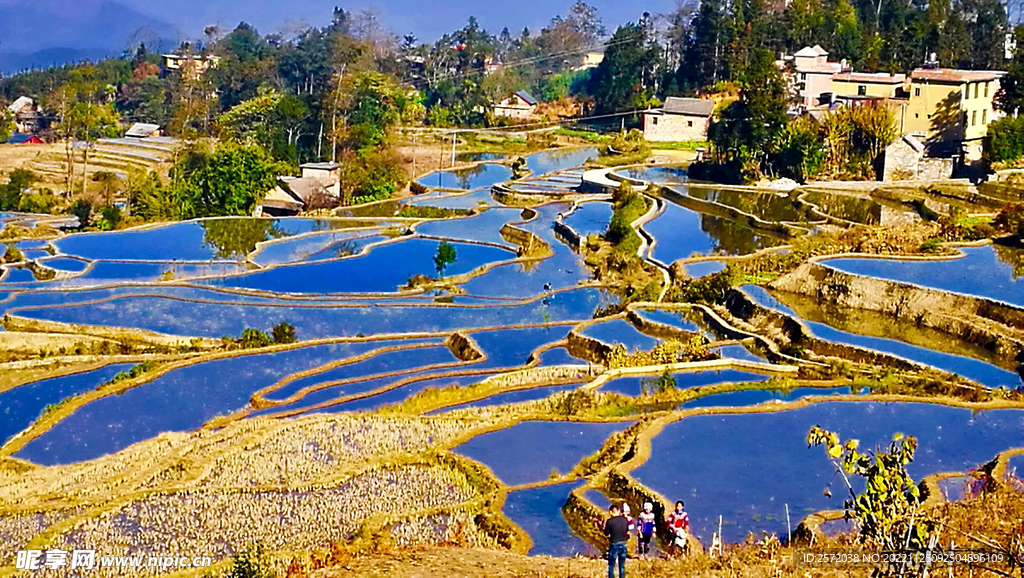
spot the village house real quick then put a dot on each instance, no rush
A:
(852, 85)
(26, 114)
(520, 105)
(908, 158)
(328, 174)
(194, 65)
(953, 106)
(679, 119)
(811, 74)
(143, 130)
(590, 60)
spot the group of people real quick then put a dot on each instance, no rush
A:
(620, 526)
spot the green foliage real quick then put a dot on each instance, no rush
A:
(1011, 219)
(253, 338)
(428, 212)
(13, 255)
(83, 210)
(932, 245)
(110, 218)
(659, 385)
(1005, 139)
(225, 181)
(445, 256)
(888, 507)
(41, 202)
(628, 207)
(284, 332)
(618, 82)
(17, 182)
(134, 372)
(252, 562)
(7, 127)
(709, 289)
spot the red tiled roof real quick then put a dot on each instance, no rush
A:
(954, 75)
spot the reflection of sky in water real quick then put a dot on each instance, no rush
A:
(984, 373)
(20, 406)
(620, 331)
(527, 452)
(539, 512)
(655, 174)
(484, 175)
(766, 206)
(590, 218)
(550, 161)
(748, 467)
(980, 273)
(684, 233)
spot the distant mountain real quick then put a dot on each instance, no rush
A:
(46, 32)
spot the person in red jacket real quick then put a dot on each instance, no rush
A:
(678, 523)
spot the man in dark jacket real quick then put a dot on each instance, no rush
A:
(616, 528)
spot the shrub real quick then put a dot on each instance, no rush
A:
(1005, 139)
(13, 255)
(252, 338)
(284, 332)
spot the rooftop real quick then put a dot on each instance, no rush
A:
(691, 106)
(954, 75)
(526, 96)
(870, 77)
(324, 166)
(142, 129)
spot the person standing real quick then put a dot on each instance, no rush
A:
(679, 524)
(645, 528)
(616, 528)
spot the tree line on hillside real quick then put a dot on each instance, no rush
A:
(337, 92)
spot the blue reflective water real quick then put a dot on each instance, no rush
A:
(512, 347)
(684, 233)
(181, 400)
(984, 373)
(748, 467)
(660, 174)
(110, 272)
(980, 273)
(702, 268)
(558, 159)
(386, 268)
(175, 316)
(674, 318)
(538, 511)
(765, 206)
(457, 201)
(529, 451)
(18, 275)
(631, 385)
(302, 248)
(590, 218)
(483, 175)
(20, 406)
(738, 351)
(65, 264)
(598, 498)
(485, 227)
(622, 332)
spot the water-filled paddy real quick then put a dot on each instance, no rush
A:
(620, 331)
(660, 174)
(386, 268)
(483, 175)
(532, 511)
(703, 268)
(683, 233)
(303, 248)
(20, 406)
(485, 227)
(675, 318)
(765, 206)
(529, 451)
(559, 159)
(456, 201)
(512, 347)
(756, 396)
(632, 385)
(181, 400)
(590, 218)
(982, 372)
(748, 467)
(981, 272)
(68, 264)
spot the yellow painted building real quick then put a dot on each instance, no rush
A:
(876, 84)
(952, 105)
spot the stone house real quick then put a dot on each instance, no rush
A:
(520, 105)
(328, 174)
(679, 119)
(907, 158)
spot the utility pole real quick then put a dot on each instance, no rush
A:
(455, 136)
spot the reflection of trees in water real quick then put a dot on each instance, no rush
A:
(850, 208)
(345, 248)
(1014, 257)
(766, 206)
(732, 238)
(238, 237)
(465, 176)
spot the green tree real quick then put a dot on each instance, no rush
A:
(445, 256)
(82, 209)
(17, 183)
(705, 60)
(253, 338)
(225, 181)
(618, 83)
(284, 332)
(110, 218)
(1010, 97)
(7, 127)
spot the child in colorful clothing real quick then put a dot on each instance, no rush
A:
(645, 530)
(679, 524)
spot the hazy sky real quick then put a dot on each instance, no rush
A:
(428, 19)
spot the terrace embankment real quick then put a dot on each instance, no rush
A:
(996, 326)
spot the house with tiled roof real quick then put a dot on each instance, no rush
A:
(952, 105)
(679, 119)
(520, 105)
